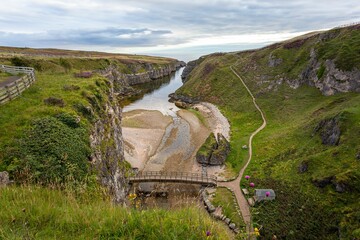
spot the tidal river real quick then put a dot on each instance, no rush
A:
(159, 136)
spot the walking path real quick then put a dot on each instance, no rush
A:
(235, 184)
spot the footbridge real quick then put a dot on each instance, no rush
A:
(175, 177)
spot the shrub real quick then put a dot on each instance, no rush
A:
(52, 152)
(20, 62)
(53, 101)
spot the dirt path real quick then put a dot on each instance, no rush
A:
(235, 184)
(9, 80)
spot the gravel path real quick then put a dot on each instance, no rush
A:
(235, 184)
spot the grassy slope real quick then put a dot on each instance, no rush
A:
(38, 213)
(287, 140)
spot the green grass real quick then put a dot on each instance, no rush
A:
(289, 139)
(224, 198)
(39, 213)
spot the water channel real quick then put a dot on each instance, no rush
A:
(159, 136)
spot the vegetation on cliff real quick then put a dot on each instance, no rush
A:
(316, 184)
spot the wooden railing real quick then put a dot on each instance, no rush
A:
(15, 88)
(180, 177)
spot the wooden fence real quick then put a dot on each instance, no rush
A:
(15, 88)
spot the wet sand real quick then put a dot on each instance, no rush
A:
(155, 142)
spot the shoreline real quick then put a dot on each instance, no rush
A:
(158, 142)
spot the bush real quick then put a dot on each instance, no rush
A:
(20, 62)
(53, 152)
(53, 101)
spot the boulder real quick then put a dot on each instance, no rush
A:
(303, 167)
(4, 179)
(321, 183)
(227, 221)
(232, 226)
(204, 153)
(180, 104)
(174, 97)
(340, 187)
(221, 152)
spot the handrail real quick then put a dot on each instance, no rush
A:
(174, 177)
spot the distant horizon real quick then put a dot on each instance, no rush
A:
(182, 55)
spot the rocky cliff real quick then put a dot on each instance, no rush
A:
(107, 144)
(327, 60)
(189, 67)
(152, 73)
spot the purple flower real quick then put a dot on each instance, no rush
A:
(247, 177)
(267, 194)
(208, 233)
(252, 184)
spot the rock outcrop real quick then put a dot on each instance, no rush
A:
(329, 130)
(187, 70)
(303, 167)
(214, 151)
(152, 73)
(180, 98)
(107, 143)
(4, 179)
(329, 79)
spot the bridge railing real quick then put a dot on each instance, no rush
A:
(15, 88)
(185, 176)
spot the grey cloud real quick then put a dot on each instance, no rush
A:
(129, 23)
(114, 37)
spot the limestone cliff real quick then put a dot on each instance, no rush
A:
(107, 144)
(189, 67)
(152, 73)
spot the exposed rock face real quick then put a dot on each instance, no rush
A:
(329, 130)
(152, 73)
(214, 151)
(332, 80)
(303, 167)
(340, 187)
(336, 80)
(220, 153)
(107, 142)
(174, 98)
(273, 61)
(187, 70)
(4, 179)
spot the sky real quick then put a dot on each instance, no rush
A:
(183, 29)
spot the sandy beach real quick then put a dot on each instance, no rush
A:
(155, 142)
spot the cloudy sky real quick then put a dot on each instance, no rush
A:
(182, 29)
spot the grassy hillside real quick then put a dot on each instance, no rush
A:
(321, 200)
(45, 132)
(38, 213)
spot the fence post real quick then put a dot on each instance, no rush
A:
(8, 92)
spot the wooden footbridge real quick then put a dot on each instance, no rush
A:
(176, 177)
